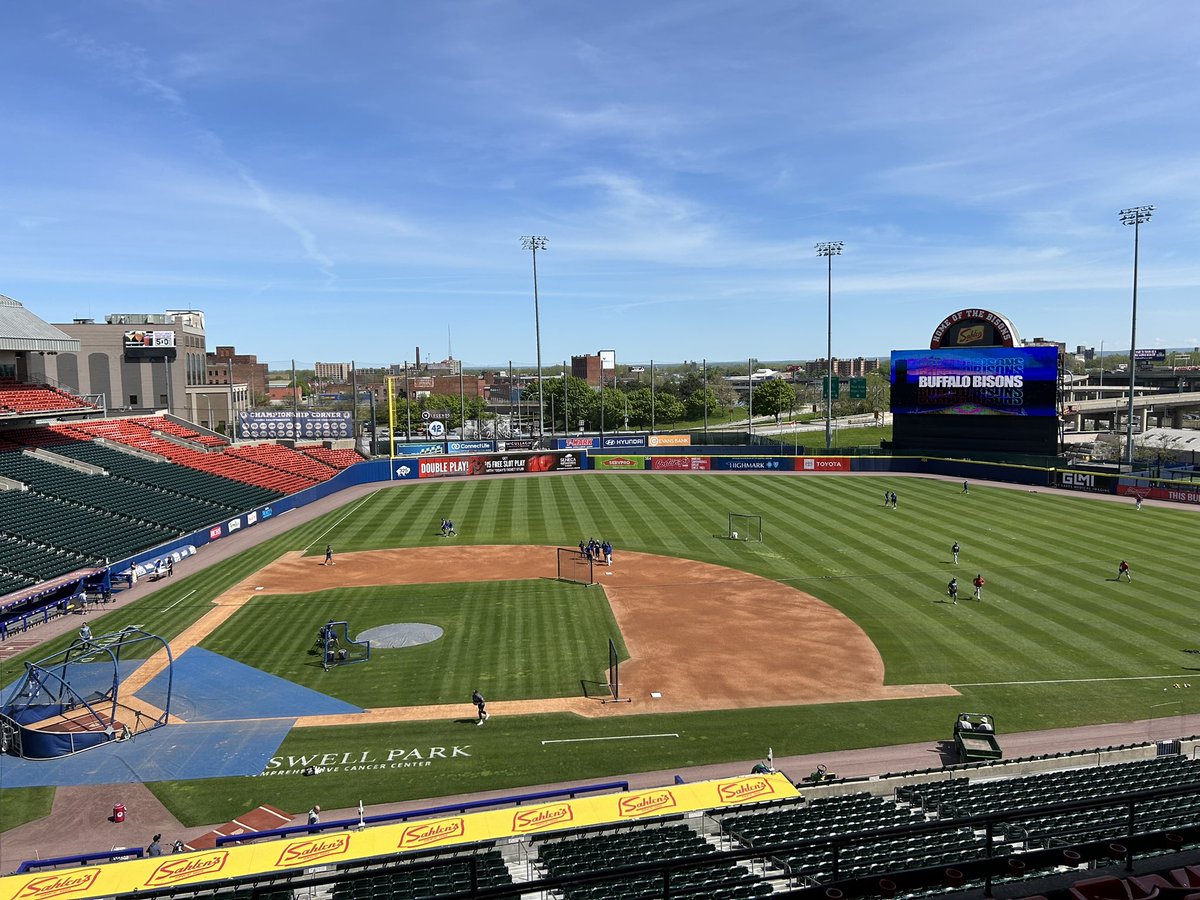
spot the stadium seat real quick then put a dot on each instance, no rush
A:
(1105, 887)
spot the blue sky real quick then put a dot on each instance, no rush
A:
(351, 179)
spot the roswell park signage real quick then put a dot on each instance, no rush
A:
(363, 760)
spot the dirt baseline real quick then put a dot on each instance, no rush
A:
(700, 636)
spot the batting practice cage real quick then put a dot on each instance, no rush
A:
(338, 648)
(575, 566)
(71, 701)
(745, 528)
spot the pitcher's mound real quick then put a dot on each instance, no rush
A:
(401, 634)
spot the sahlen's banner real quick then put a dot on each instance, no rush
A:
(306, 424)
(680, 463)
(299, 852)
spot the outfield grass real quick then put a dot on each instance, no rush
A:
(1056, 641)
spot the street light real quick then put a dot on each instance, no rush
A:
(829, 249)
(1134, 216)
(534, 243)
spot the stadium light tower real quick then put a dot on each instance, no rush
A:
(1134, 216)
(534, 243)
(829, 249)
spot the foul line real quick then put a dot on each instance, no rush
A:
(1064, 681)
(617, 737)
(335, 524)
(180, 600)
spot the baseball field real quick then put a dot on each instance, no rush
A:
(835, 632)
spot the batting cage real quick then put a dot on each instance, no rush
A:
(745, 528)
(575, 567)
(71, 701)
(338, 648)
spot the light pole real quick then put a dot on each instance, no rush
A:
(1135, 216)
(829, 249)
(534, 243)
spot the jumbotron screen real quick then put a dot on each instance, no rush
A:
(984, 381)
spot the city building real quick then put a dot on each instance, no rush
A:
(137, 362)
(338, 372)
(227, 366)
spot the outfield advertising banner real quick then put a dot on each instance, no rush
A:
(266, 424)
(984, 381)
(425, 449)
(670, 440)
(497, 464)
(223, 864)
(680, 463)
(617, 441)
(515, 444)
(579, 443)
(619, 462)
(1158, 492)
(1092, 482)
(753, 464)
(453, 447)
(823, 464)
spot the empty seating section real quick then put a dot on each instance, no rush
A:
(284, 459)
(851, 814)
(98, 536)
(232, 496)
(337, 459)
(24, 399)
(107, 493)
(189, 434)
(70, 518)
(960, 797)
(595, 853)
(143, 433)
(420, 881)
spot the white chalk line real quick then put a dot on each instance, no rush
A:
(320, 537)
(1066, 681)
(615, 737)
(180, 600)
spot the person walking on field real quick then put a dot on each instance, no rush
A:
(480, 706)
(979, 583)
(954, 550)
(966, 487)
(1123, 569)
(952, 590)
(1137, 502)
(329, 554)
(893, 499)
(887, 499)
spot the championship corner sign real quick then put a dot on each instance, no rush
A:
(299, 425)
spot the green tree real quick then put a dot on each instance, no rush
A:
(668, 408)
(580, 401)
(772, 397)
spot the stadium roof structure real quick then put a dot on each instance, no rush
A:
(23, 331)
